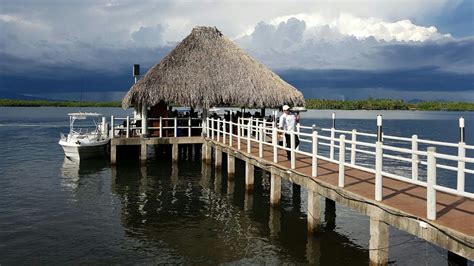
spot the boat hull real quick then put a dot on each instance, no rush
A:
(80, 152)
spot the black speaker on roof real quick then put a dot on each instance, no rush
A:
(136, 70)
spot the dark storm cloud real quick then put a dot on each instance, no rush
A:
(419, 79)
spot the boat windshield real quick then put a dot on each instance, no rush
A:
(84, 123)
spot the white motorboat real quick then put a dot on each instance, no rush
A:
(86, 140)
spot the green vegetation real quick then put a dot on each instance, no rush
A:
(39, 103)
(367, 104)
(387, 104)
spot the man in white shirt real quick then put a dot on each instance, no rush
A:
(287, 122)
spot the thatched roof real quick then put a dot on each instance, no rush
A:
(208, 69)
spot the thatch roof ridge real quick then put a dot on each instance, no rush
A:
(207, 69)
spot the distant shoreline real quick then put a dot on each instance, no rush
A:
(318, 104)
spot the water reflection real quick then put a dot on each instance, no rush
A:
(201, 216)
(73, 170)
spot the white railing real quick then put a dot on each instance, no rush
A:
(266, 134)
(126, 127)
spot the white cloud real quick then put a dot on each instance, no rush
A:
(318, 44)
(362, 28)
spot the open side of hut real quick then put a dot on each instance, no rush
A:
(207, 69)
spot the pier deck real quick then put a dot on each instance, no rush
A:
(412, 203)
(403, 205)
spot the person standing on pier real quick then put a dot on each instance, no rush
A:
(287, 122)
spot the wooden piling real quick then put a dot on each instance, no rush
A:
(113, 154)
(230, 166)
(143, 153)
(218, 157)
(174, 152)
(378, 243)
(314, 212)
(249, 176)
(275, 189)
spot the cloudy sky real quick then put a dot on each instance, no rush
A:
(408, 49)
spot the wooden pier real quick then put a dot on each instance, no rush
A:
(440, 215)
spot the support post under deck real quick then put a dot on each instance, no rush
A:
(275, 189)
(378, 243)
(113, 154)
(174, 152)
(249, 176)
(218, 157)
(314, 212)
(143, 153)
(230, 166)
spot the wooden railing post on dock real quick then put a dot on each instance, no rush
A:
(353, 146)
(261, 140)
(378, 161)
(211, 127)
(314, 159)
(292, 151)
(223, 131)
(275, 144)
(249, 144)
(230, 131)
(175, 127)
(333, 134)
(112, 129)
(161, 127)
(342, 159)
(189, 128)
(238, 133)
(461, 154)
(103, 127)
(414, 157)
(144, 116)
(218, 129)
(430, 183)
(127, 132)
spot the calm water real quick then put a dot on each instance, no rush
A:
(54, 211)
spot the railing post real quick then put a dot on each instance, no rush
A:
(378, 161)
(260, 141)
(238, 133)
(218, 129)
(342, 159)
(292, 152)
(414, 157)
(189, 129)
(211, 126)
(223, 131)
(430, 183)
(353, 146)
(249, 144)
(112, 129)
(103, 127)
(251, 125)
(144, 115)
(127, 133)
(314, 159)
(333, 134)
(230, 132)
(175, 127)
(161, 126)
(461, 155)
(275, 143)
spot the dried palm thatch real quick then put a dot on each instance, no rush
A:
(207, 69)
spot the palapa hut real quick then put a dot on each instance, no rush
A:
(207, 69)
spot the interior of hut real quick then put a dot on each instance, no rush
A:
(168, 113)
